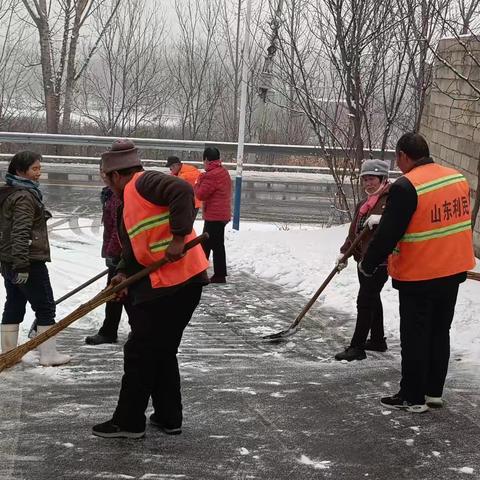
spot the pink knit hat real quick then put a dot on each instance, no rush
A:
(122, 154)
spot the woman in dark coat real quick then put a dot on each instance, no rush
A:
(374, 175)
(24, 251)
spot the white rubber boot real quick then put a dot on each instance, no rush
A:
(49, 356)
(9, 333)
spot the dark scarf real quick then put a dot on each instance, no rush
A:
(16, 181)
(105, 195)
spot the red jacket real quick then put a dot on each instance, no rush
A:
(214, 189)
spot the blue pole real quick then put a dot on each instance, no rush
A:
(237, 202)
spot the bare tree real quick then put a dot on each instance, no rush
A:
(125, 87)
(332, 56)
(59, 24)
(424, 25)
(193, 68)
(396, 66)
(228, 50)
(469, 13)
(13, 73)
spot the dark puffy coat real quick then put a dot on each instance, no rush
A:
(23, 228)
(111, 247)
(214, 188)
(358, 222)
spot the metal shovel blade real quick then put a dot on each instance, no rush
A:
(281, 335)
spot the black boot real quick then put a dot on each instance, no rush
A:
(168, 429)
(351, 353)
(99, 339)
(218, 279)
(110, 430)
(376, 345)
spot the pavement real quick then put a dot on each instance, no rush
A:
(253, 409)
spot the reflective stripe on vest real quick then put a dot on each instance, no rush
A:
(438, 240)
(148, 227)
(148, 223)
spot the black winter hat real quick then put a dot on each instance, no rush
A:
(172, 161)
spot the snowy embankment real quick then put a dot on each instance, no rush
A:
(298, 257)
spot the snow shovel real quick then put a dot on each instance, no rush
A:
(294, 326)
(13, 356)
(33, 328)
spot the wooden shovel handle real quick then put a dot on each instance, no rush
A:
(322, 287)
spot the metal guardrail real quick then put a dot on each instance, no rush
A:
(184, 145)
(88, 161)
(161, 163)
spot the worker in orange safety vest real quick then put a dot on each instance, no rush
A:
(155, 222)
(186, 172)
(427, 231)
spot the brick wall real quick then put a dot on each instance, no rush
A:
(451, 119)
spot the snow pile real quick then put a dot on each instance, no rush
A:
(300, 257)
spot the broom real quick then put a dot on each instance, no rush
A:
(473, 275)
(15, 355)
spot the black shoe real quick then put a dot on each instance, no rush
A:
(396, 401)
(99, 339)
(376, 345)
(168, 429)
(217, 279)
(110, 430)
(351, 353)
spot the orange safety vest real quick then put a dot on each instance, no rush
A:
(190, 174)
(438, 241)
(148, 227)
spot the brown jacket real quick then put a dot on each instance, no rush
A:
(358, 222)
(23, 228)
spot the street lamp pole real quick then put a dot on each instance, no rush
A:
(241, 123)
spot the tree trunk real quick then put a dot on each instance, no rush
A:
(71, 71)
(51, 97)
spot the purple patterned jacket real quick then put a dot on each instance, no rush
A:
(111, 247)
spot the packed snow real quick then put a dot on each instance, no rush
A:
(297, 257)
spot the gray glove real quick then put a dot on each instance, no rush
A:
(373, 221)
(341, 266)
(20, 278)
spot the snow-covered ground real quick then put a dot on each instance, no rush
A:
(298, 257)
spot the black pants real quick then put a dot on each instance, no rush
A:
(216, 244)
(425, 320)
(113, 312)
(150, 359)
(37, 291)
(369, 308)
